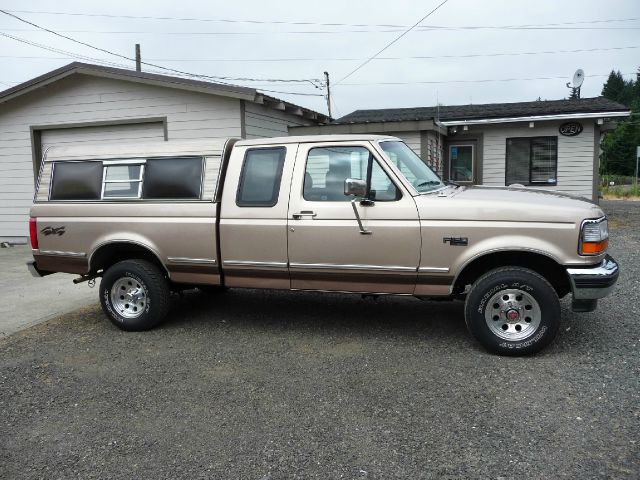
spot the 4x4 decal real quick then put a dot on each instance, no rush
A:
(48, 230)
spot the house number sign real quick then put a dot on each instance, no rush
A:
(570, 129)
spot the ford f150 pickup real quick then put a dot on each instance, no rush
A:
(359, 214)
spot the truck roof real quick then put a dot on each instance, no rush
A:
(207, 147)
(314, 138)
(95, 151)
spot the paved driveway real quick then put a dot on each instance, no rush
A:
(260, 385)
(26, 301)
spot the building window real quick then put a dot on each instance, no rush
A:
(461, 163)
(532, 161)
(260, 177)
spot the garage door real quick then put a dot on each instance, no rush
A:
(136, 132)
(15, 200)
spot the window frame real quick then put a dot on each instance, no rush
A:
(473, 162)
(127, 163)
(277, 183)
(369, 171)
(530, 140)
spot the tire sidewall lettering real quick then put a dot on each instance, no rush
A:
(522, 279)
(106, 294)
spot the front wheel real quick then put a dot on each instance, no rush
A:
(134, 294)
(513, 311)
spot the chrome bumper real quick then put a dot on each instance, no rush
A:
(594, 282)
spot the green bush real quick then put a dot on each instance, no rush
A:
(616, 179)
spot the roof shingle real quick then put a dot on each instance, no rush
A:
(485, 111)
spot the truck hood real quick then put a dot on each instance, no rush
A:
(505, 204)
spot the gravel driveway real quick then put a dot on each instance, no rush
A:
(259, 385)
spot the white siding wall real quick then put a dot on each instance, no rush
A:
(89, 99)
(263, 122)
(575, 155)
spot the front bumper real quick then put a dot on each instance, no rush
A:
(35, 271)
(594, 282)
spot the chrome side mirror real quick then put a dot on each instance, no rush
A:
(358, 189)
(355, 187)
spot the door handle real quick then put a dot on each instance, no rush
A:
(304, 213)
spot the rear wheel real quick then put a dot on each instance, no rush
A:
(513, 311)
(134, 294)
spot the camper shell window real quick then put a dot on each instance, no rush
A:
(122, 179)
(76, 181)
(165, 178)
(173, 178)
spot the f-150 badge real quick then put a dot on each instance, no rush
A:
(453, 241)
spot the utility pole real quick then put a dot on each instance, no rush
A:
(326, 78)
(635, 179)
(138, 58)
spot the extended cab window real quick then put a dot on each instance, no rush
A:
(260, 177)
(328, 167)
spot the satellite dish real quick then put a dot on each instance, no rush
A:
(578, 78)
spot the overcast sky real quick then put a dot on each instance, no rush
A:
(304, 50)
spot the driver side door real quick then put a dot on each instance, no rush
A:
(327, 250)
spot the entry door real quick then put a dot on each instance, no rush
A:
(462, 162)
(327, 248)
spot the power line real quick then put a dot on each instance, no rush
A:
(340, 59)
(391, 43)
(301, 23)
(474, 81)
(71, 55)
(315, 32)
(217, 78)
(105, 62)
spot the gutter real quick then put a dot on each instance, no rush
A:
(563, 116)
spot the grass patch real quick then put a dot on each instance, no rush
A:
(624, 192)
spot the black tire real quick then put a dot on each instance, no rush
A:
(152, 295)
(513, 311)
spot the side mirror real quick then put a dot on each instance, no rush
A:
(355, 187)
(358, 189)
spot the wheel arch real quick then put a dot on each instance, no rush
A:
(541, 263)
(108, 253)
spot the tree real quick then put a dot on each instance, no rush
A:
(619, 146)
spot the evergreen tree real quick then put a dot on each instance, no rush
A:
(619, 146)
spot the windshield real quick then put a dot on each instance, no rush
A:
(411, 165)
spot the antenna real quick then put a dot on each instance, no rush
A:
(578, 79)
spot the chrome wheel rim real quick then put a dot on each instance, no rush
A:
(128, 297)
(513, 314)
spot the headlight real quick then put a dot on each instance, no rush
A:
(594, 237)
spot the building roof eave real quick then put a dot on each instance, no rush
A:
(534, 118)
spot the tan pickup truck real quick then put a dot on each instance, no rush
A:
(358, 214)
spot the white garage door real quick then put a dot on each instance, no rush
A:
(15, 199)
(136, 132)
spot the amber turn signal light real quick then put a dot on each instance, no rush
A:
(594, 248)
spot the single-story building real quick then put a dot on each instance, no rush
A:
(542, 144)
(91, 103)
